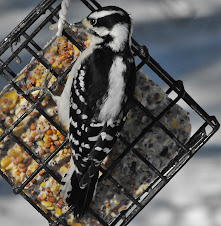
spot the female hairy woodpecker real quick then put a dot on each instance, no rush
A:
(93, 102)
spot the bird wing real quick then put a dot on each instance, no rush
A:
(104, 143)
(91, 139)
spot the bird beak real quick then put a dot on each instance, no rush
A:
(84, 25)
(79, 25)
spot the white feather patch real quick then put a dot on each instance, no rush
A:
(73, 140)
(85, 159)
(112, 104)
(98, 148)
(74, 106)
(87, 146)
(110, 123)
(78, 112)
(81, 98)
(93, 138)
(73, 123)
(83, 116)
(98, 124)
(102, 31)
(120, 33)
(106, 150)
(104, 13)
(105, 136)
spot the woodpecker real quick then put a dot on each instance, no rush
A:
(94, 101)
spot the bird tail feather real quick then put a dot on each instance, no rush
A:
(75, 196)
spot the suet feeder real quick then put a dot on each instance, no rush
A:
(155, 144)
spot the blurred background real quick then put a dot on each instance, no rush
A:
(185, 38)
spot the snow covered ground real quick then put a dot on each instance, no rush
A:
(184, 37)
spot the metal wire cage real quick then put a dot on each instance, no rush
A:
(47, 13)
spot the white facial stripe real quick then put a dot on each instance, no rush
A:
(97, 15)
(120, 35)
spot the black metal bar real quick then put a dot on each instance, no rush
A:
(25, 43)
(42, 61)
(90, 210)
(34, 33)
(32, 42)
(155, 170)
(139, 137)
(25, 24)
(88, 5)
(37, 103)
(126, 193)
(5, 66)
(160, 124)
(153, 123)
(96, 4)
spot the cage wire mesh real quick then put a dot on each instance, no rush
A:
(21, 42)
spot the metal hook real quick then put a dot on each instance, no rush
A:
(17, 58)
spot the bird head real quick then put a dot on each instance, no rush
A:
(110, 26)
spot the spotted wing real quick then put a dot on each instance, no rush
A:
(102, 146)
(91, 139)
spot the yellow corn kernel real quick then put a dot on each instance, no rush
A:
(19, 129)
(12, 99)
(55, 188)
(188, 128)
(87, 43)
(117, 202)
(76, 48)
(43, 196)
(45, 138)
(174, 123)
(35, 93)
(76, 224)
(50, 207)
(41, 143)
(54, 49)
(43, 184)
(65, 151)
(113, 214)
(5, 162)
(54, 65)
(63, 169)
(1, 131)
(58, 212)
(20, 77)
(33, 167)
(46, 204)
(63, 64)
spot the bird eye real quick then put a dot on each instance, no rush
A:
(92, 21)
